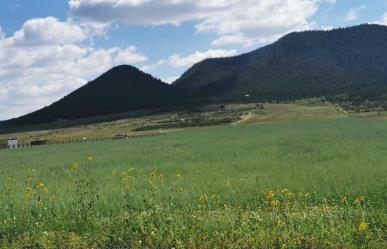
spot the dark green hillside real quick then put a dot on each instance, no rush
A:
(350, 61)
(122, 89)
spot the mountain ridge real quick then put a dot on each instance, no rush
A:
(319, 57)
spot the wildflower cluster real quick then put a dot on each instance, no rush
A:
(35, 193)
(158, 210)
(127, 178)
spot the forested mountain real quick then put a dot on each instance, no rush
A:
(121, 89)
(351, 61)
(348, 63)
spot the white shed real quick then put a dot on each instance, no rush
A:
(13, 143)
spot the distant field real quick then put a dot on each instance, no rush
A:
(167, 121)
(317, 183)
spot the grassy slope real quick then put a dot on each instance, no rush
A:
(335, 157)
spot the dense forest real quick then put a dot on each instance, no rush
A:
(347, 66)
(350, 62)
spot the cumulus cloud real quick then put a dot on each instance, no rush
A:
(234, 21)
(42, 31)
(353, 13)
(179, 61)
(47, 59)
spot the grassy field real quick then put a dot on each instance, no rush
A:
(167, 121)
(317, 183)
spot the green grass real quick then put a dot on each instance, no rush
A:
(144, 124)
(336, 170)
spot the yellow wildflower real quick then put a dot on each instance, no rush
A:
(27, 196)
(363, 226)
(274, 203)
(90, 158)
(270, 194)
(45, 190)
(203, 198)
(74, 167)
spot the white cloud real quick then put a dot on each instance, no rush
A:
(234, 21)
(260, 21)
(170, 80)
(327, 28)
(179, 61)
(233, 39)
(384, 19)
(49, 30)
(128, 55)
(47, 59)
(353, 13)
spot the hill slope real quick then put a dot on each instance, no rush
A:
(122, 89)
(351, 61)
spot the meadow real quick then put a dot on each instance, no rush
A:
(318, 183)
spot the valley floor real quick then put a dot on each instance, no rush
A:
(157, 122)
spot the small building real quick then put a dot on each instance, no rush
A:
(13, 143)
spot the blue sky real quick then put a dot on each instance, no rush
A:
(48, 48)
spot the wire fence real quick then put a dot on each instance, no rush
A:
(39, 143)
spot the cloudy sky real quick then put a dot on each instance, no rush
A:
(48, 48)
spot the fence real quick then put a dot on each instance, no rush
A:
(91, 140)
